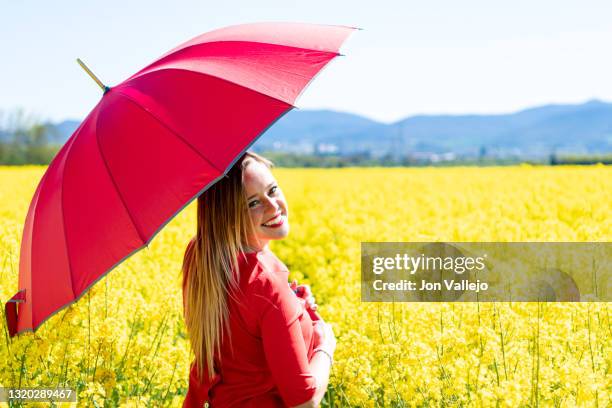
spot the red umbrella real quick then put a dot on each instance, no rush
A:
(153, 144)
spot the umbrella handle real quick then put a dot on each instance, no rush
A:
(10, 310)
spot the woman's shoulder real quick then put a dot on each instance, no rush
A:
(268, 279)
(267, 268)
(260, 272)
(269, 290)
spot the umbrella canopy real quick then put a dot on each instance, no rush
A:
(150, 146)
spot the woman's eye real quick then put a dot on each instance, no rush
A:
(273, 189)
(253, 203)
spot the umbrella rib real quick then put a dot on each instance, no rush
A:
(172, 53)
(165, 125)
(253, 64)
(110, 175)
(71, 140)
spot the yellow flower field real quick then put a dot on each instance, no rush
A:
(124, 343)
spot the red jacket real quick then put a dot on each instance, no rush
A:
(272, 339)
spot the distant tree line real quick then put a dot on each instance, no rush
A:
(25, 140)
(282, 159)
(580, 159)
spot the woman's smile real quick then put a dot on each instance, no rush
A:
(276, 221)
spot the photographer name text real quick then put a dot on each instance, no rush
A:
(446, 284)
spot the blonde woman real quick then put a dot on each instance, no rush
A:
(258, 341)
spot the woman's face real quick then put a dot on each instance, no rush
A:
(266, 205)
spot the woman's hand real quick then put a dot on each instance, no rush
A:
(324, 337)
(304, 292)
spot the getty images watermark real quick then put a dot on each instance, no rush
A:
(485, 271)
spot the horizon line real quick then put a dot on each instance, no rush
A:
(366, 116)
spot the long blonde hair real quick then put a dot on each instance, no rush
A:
(210, 267)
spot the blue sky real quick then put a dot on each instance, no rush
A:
(413, 57)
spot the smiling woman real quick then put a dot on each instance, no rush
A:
(257, 342)
(267, 205)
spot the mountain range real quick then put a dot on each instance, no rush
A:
(575, 129)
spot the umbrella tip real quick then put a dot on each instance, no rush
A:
(93, 76)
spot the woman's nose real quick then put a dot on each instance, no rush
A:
(271, 202)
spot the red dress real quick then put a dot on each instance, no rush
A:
(272, 339)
